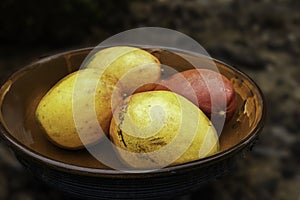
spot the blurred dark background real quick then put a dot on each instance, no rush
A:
(260, 37)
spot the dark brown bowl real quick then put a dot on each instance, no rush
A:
(79, 173)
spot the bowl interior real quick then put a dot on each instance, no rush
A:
(20, 95)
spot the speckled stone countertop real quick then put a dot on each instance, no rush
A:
(263, 40)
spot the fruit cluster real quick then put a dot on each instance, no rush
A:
(151, 121)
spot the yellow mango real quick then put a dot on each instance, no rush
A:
(80, 102)
(133, 68)
(159, 128)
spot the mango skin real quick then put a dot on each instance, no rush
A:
(134, 69)
(55, 110)
(201, 86)
(150, 128)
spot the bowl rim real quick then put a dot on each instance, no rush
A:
(70, 168)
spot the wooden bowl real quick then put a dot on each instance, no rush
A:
(79, 173)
